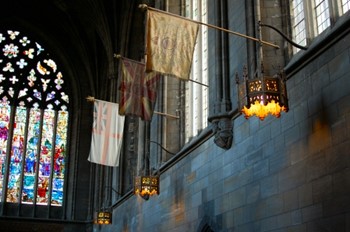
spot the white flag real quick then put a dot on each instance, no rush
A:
(107, 134)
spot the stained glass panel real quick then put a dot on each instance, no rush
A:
(59, 159)
(16, 157)
(45, 157)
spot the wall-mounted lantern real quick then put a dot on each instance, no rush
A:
(146, 186)
(262, 96)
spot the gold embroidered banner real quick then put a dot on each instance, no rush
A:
(170, 44)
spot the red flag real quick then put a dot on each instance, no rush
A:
(138, 90)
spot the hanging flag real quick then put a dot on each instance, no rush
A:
(107, 134)
(170, 44)
(138, 90)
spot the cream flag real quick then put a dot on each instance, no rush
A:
(107, 134)
(170, 44)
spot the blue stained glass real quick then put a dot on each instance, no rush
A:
(28, 182)
(28, 189)
(57, 196)
(30, 162)
(58, 184)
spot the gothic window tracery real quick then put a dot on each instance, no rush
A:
(33, 123)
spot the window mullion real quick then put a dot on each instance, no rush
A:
(335, 7)
(310, 17)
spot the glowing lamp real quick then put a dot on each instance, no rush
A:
(146, 186)
(262, 96)
(104, 218)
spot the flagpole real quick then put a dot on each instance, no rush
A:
(167, 115)
(92, 99)
(118, 56)
(144, 6)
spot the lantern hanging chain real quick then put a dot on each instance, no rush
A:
(260, 69)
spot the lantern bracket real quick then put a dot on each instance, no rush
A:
(283, 35)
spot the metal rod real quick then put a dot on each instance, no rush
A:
(118, 56)
(162, 147)
(283, 35)
(92, 99)
(198, 82)
(144, 6)
(167, 115)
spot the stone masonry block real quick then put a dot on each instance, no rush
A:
(312, 212)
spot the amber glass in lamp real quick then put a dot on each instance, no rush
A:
(262, 96)
(146, 186)
(103, 218)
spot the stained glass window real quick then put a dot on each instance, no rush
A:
(33, 123)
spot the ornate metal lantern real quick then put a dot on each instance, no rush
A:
(146, 186)
(262, 96)
(104, 218)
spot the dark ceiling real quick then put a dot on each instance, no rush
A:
(83, 34)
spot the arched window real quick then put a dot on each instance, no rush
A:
(33, 123)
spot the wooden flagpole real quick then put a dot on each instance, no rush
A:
(92, 99)
(118, 56)
(167, 115)
(144, 6)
